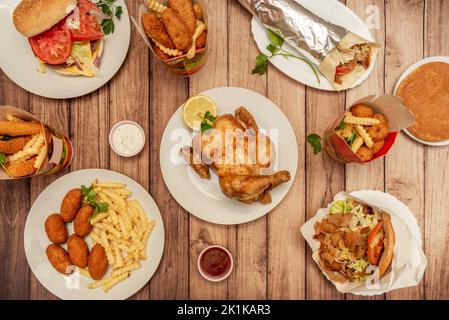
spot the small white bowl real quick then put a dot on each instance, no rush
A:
(113, 147)
(215, 279)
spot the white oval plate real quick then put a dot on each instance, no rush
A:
(403, 76)
(19, 63)
(203, 198)
(36, 241)
(330, 10)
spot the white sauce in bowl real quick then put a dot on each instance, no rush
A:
(127, 138)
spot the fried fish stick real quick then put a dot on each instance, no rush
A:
(186, 12)
(156, 30)
(15, 129)
(21, 169)
(177, 29)
(14, 145)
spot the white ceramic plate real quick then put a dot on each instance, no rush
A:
(404, 75)
(19, 63)
(203, 198)
(330, 10)
(36, 241)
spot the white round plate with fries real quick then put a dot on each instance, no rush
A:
(134, 260)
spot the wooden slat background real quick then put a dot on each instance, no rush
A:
(272, 259)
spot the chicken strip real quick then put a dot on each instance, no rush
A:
(14, 145)
(156, 30)
(177, 29)
(19, 128)
(186, 12)
(200, 168)
(250, 189)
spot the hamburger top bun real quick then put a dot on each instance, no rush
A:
(389, 241)
(32, 17)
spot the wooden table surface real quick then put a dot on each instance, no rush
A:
(272, 259)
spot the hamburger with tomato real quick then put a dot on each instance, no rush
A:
(66, 35)
(356, 241)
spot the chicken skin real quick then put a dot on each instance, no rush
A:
(241, 156)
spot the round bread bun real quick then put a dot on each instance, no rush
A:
(387, 255)
(32, 17)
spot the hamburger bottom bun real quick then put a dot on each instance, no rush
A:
(32, 17)
(387, 255)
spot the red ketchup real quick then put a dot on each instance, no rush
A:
(215, 262)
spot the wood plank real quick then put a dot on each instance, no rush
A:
(129, 100)
(324, 179)
(404, 165)
(54, 113)
(214, 74)
(250, 278)
(371, 176)
(14, 205)
(437, 175)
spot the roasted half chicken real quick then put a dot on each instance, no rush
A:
(241, 156)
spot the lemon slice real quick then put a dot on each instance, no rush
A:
(195, 108)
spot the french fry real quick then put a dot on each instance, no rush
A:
(118, 256)
(130, 267)
(156, 6)
(99, 217)
(84, 272)
(114, 281)
(115, 197)
(365, 136)
(349, 118)
(200, 27)
(170, 52)
(358, 142)
(32, 148)
(111, 185)
(107, 248)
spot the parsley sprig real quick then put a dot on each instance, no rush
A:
(2, 159)
(275, 48)
(208, 121)
(89, 197)
(110, 10)
(315, 141)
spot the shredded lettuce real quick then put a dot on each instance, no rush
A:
(359, 265)
(341, 206)
(361, 220)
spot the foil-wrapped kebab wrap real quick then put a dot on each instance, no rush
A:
(343, 57)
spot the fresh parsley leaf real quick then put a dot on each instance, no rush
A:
(315, 141)
(208, 116)
(261, 64)
(272, 48)
(118, 12)
(89, 197)
(105, 8)
(2, 159)
(107, 25)
(352, 138)
(205, 126)
(341, 125)
(207, 122)
(275, 38)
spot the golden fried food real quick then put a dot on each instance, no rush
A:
(156, 30)
(98, 262)
(71, 204)
(378, 132)
(56, 229)
(21, 169)
(201, 40)
(14, 145)
(78, 251)
(198, 11)
(381, 118)
(177, 29)
(59, 259)
(365, 153)
(81, 225)
(185, 10)
(378, 145)
(362, 111)
(200, 168)
(19, 128)
(161, 53)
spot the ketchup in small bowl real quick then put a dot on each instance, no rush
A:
(215, 263)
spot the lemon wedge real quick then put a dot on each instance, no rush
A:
(195, 108)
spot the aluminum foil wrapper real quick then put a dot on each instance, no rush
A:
(300, 28)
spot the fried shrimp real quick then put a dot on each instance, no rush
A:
(365, 154)
(362, 111)
(377, 146)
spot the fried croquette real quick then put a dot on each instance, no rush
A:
(185, 10)
(156, 30)
(201, 41)
(378, 145)
(21, 169)
(78, 251)
(56, 229)
(82, 226)
(365, 154)
(71, 204)
(59, 259)
(19, 128)
(177, 29)
(98, 262)
(362, 111)
(14, 145)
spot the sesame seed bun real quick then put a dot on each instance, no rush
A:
(32, 17)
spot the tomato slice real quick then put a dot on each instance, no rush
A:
(89, 29)
(54, 45)
(375, 244)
